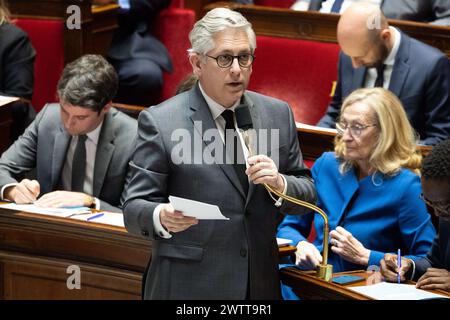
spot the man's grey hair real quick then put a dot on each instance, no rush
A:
(89, 82)
(216, 20)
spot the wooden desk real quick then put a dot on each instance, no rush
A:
(307, 286)
(318, 26)
(36, 250)
(97, 23)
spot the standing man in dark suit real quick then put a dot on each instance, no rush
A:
(136, 54)
(214, 259)
(432, 272)
(80, 148)
(433, 11)
(377, 55)
(16, 72)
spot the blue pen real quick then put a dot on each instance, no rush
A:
(95, 217)
(399, 264)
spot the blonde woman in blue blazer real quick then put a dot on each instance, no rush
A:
(369, 187)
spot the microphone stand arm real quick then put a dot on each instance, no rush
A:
(324, 270)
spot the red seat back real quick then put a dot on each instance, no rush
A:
(275, 3)
(172, 29)
(300, 72)
(47, 39)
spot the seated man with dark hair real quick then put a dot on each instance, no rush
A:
(81, 145)
(432, 272)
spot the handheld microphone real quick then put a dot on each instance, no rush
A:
(244, 123)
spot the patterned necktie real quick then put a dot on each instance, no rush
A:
(380, 76)
(337, 5)
(79, 164)
(237, 151)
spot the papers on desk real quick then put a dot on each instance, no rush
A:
(283, 242)
(395, 291)
(57, 212)
(196, 209)
(5, 100)
(104, 217)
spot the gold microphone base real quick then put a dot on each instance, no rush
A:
(325, 272)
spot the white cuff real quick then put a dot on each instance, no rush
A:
(157, 226)
(414, 269)
(6, 186)
(97, 203)
(279, 202)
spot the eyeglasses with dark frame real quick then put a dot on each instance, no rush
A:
(355, 130)
(441, 210)
(245, 60)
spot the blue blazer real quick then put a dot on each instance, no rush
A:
(383, 213)
(420, 79)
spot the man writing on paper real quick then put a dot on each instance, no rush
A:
(80, 148)
(432, 272)
(377, 55)
(214, 259)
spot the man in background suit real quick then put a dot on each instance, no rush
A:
(377, 55)
(433, 271)
(433, 11)
(79, 148)
(137, 55)
(214, 259)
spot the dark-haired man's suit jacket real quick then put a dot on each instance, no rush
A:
(439, 255)
(421, 80)
(44, 144)
(434, 11)
(216, 259)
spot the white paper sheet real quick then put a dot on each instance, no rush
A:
(109, 218)
(199, 210)
(5, 100)
(310, 127)
(57, 212)
(283, 242)
(395, 291)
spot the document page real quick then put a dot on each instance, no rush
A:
(199, 210)
(395, 291)
(57, 212)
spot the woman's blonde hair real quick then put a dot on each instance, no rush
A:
(4, 12)
(396, 146)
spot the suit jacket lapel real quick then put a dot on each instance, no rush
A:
(202, 121)
(351, 184)
(105, 150)
(401, 66)
(359, 75)
(62, 139)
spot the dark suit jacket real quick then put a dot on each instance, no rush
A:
(215, 259)
(439, 256)
(420, 78)
(133, 38)
(435, 11)
(16, 62)
(44, 145)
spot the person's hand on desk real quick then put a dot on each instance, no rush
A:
(58, 199)
(263, 170)
(389, 268)
(435, 279)
(307, 256)
(24, 192)
(175, 221)
(348, 247)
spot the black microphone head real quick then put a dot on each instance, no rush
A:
(243, 117)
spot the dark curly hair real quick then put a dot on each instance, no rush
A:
(437, 163)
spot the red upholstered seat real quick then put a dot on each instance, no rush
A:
(275, 3)
(47, 39)
(300, 72)
(172, 29)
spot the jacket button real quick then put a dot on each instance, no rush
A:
(243, 253)
(144, 233)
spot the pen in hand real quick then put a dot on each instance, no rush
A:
(399, 265)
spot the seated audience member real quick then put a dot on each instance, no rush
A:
(16, 72)
(433, 11)
(138, 57)
(433, 271)
(369, 188)
(80, 148)
(385, 57)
